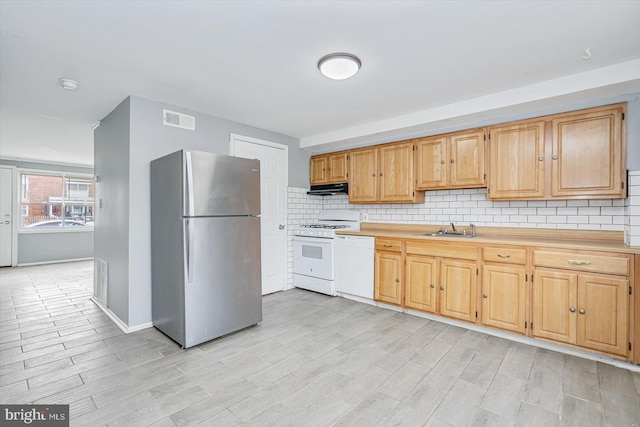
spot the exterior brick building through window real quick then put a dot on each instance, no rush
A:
(56, 201)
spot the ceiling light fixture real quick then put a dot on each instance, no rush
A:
(69, 84)
(339, 66)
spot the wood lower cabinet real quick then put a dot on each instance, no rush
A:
(587, 310)
(504, 297)
(328, 168)
(388, 271)
(458, 289)
(438, 284)
(421, 278)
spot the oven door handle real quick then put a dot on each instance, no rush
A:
(317, 240)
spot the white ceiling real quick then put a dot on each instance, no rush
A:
(254, 62)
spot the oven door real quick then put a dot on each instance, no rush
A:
(313, 256)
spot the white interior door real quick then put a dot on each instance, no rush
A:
(273, 190)
(6, 216)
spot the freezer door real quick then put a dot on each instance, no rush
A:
(222, 276)
(216, 185)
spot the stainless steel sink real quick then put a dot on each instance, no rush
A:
(440, 234)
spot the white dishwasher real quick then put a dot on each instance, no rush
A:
(354, 265)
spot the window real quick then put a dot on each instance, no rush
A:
(56, 201)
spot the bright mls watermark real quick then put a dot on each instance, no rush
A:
(35, 415)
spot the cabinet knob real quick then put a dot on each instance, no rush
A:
(572, 309)
(485, 296)
(453, 161)
(504, 256)
(380, 174)
(373, 174)
(397, 280)
(540, 159)
(433, 286)
(442, 288)
(555, 157)
(442, 161)
(581, 311)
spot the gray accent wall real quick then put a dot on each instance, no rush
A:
(51, 246)
(111, 164)
(125, 143)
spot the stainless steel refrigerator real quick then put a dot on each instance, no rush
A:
(205, 245)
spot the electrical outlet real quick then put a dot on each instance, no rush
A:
(364, 217)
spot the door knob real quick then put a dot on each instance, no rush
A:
(281, 227)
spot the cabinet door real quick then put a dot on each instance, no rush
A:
(337, 167)
(603, 307)
(363, 176)
(516, 161)
(503, 297)
(587, 155)
(458, 290)
(318, 167)
(431, 163)
(554, 305)
(396, 172)
(467, 160)
(420, 283)
(387, 277)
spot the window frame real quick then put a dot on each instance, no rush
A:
(63, 204)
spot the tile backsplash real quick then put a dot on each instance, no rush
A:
(472, 206)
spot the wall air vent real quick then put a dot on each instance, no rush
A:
(100, 280)
(178, 120)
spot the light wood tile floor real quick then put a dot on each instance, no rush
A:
(313, 361)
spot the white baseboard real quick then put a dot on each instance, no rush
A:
(27, 264)
(358, 298)
(119, 323)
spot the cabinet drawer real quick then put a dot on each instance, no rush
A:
(388, 245)
(596, 263)
(441, 249)
(505, 255)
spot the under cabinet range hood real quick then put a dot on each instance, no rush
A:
(328, 189)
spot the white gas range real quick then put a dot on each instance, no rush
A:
(313, 250)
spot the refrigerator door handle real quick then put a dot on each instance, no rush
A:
(189, 181)
(189, 247)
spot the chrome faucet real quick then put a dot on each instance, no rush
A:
(453, 227)
(473, 230)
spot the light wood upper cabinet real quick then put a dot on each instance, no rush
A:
(363, 172)
(396, 172)
(432, 163)
(318, 168)
(516, 161)
(574, 155)
(587, 154)
(451, 161)
(328, 168)
(382, 174)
